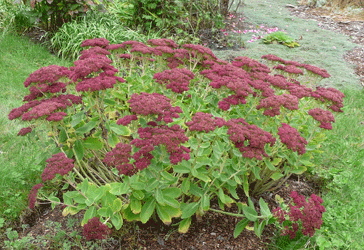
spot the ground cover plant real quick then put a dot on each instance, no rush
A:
(150, 145)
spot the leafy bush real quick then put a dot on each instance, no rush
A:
(54, 13)
(68, 38)
(161, 130)
(184, 15)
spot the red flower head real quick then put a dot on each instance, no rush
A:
(162, 42)
(325, 117)
(175, 79)
(32, 197)
(98, 83)
(201, 50)
(330, 95)
(49, 74)
(241, 133)
(271, 57)
(299, 90)
(92, 64)
(264, 87)
(101, 42)
(154, 104)
(170, 137)
(316, 70)
(277, 81)
(25, 131)
(292, 138)
(273, 104)
(57, 164)
(202, 122)
(126, 120)
(93, 51)
(250, 65)
(95, 230)
(119, 157)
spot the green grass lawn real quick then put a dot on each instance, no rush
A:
(19, 170)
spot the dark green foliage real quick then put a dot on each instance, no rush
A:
(181, 15)
(54, 13)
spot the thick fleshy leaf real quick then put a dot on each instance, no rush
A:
(240, 227)
(117, 220)
(147, 210)
(184, 225)
(163, 214)
(189, 209)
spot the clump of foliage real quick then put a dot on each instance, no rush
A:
(280, 37)
(54, 13)
(184, 15)
(147, 130)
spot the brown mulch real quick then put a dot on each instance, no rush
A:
(214, 231)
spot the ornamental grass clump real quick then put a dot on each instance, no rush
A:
(160, 131)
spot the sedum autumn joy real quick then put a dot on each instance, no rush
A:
(160, 131)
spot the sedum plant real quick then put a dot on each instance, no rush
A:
(160, 131)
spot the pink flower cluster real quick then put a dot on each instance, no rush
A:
(241, 133)
(308, 214)
(126, 120)
(233, 78)
(204, 122)
(331, 95)
(57, 164)
(272, 104)
(92, 64)
(150, 137)
(94, 51)
(250, 64)
(120, 157)
(95, 61)
(292, 138)
(325, 117)
(200, 50)
(299, 90)
(40, 89)
(50, 109)
(170, 137)
(154, 104)
(289, 69)
(162, 42)
(95, 230)
(25, 131)
(100, 82)
(175, 79)
(49, 74)
(316, 70)
(32, 197)
(100, 42)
